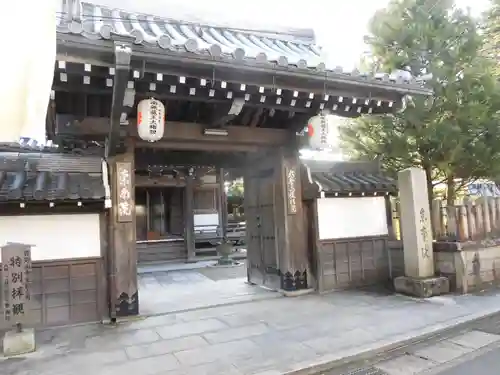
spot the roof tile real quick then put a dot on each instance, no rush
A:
(350, 177)
(49, 177)
(100, 22)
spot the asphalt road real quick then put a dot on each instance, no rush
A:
(484, 364)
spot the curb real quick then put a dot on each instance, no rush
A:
(368, 351)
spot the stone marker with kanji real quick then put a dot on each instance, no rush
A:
(419, 279)
(16, 269)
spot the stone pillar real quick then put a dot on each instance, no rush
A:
(122, 256)
(419, 279)
(189, 216)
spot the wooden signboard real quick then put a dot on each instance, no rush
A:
(124, 191)
(16, 269)
(291, 190)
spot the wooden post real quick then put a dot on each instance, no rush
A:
(486, 215)
(123, 252)
(452, 221)
(437, 219)
(294, 263)
(471, 218)
(479, 218)
(463, 224)
(390, 219)
(189, 216)
(222, 203)
(497, 206)
(494, 214)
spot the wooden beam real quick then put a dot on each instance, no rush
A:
(145, 158)
(177, 133)
(123, 54)
(158, 181)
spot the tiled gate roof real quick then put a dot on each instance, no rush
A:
(298, 50)
(349, 177)
(49, 177)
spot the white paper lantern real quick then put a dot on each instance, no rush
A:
(322, 132)
(150, 120)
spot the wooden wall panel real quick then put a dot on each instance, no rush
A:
(65, 292)
(161, 252)
(354, 262)
(205, 199)
(177, 212)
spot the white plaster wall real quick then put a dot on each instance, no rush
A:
(351, 217)
(206, 222)
(54, 236)
(27, 69)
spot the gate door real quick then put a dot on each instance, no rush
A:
(262, 252)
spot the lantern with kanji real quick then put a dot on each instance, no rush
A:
(150, 119)
(321, 131)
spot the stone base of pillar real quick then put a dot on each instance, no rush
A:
(297, 293)
(422, 287)
(127, 306)
(17, 343)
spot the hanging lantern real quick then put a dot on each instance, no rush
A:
(321, 132)
(150, 119)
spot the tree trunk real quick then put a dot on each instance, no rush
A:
(450, 190)
(430, 186)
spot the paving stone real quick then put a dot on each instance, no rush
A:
(405, 365)
(237, 320)
(213, 368)
(273, 356)
(336, 341)
(190, 328)
(165, 346)
(236, 333)
(150, 322)
(475, 339)
(233, 349)
(100, 358)
(300, 330)
(122, 339)
(145, 366)
(443, 351)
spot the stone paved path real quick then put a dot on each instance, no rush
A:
(170, 290)
(262, 337)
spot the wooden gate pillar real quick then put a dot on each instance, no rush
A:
(189, 238)
(290, 224)
(122, 257)
(222, 202)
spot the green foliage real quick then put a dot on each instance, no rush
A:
(453, 135)
(491, 29)
(236, 189)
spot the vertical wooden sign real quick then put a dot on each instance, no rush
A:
(16, 269)
(291, 190)
(124, 191)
